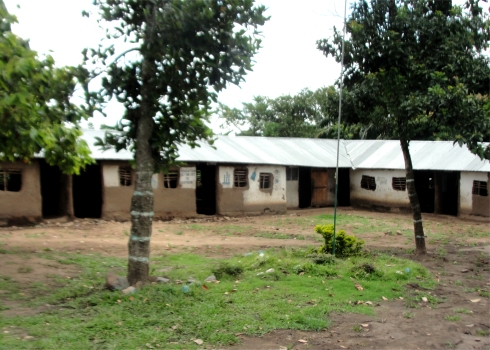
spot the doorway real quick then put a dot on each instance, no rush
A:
(304, 187)
(206, 189)
(319, 187)
(51, 190)
(87, 192)
(424, 186)
(446, 192)
(343, 196)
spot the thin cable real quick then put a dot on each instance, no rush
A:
(338, 133)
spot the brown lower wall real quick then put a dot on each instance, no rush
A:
(230, 202)
(380, 205)
(27, 202)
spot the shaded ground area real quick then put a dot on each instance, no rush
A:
(457, 316)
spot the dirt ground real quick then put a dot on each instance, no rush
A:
(463, 273)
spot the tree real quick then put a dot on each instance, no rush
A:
(35, 105)
(418, 66)
(184, 49)
(285, 116)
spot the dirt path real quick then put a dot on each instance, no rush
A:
(458, 258)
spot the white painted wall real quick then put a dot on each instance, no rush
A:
(255, 196)
(110, 174)
(226, 176)
(384, 194)
(292, 193)
(188, 177)
(466, 188)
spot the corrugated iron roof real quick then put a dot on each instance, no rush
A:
(322, 153)
(426, 155)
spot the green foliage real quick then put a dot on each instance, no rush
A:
(322, 258)
(424, 73)
(35, 105)
(345, 245)
(181, 54)
(284, 116)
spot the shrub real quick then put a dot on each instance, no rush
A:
(346, 245)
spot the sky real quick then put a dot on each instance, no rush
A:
(287, 62)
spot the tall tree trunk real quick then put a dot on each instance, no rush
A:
(142, 200)
(418, 228)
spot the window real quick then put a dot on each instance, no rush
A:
(10, 180)
(292, 174)
(125, 178)
(399, 183)
(171, 179)
(368, 182)
(240, 176)
(480, 188)
(265, 180)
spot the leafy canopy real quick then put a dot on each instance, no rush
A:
(417, 69)
(196, 49)
(35, 105)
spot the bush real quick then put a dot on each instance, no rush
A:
(346, 245)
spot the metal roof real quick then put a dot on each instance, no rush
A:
(426, 155)
(322, 153)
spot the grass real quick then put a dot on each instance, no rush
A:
(452, 318)
(299, 294)
(278, 235)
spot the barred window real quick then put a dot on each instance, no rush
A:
(368, 183)
(10, 180)
(399, 183)
(171, 179)
(292, 174)
(125, 178)
(480, 188)
(240, 177)
(265, 180)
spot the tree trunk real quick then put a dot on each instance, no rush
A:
(142, 200)
(418, 228)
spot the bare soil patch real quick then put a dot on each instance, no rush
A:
(460, 320)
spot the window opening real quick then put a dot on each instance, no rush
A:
(480, 188)
(399, 183)
(171, 179)
(368, 183)
(10, 180)
(292, 174)
(240, 177)
(265, 180)
(125, 178)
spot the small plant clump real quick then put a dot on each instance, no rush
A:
(322, 258)
(345, 245)
(225, 269)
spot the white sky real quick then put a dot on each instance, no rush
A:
(287, 62)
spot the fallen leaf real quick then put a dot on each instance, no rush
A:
(343, 347)
(384, 298)
(198, 341)
(118, 300)
(226, 293)
(475, 300)
(204, 287)
(149, 346)
(303, 341)
(424, 299)
(237, 334)
(464, 270)
(368, 303)
(470, 325)
(358, 286)
(365, 325)
(131, 298)
(175, 327)
(401, 298)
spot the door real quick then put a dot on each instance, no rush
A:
(319, 185)
(206, 189)
(87, 192)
